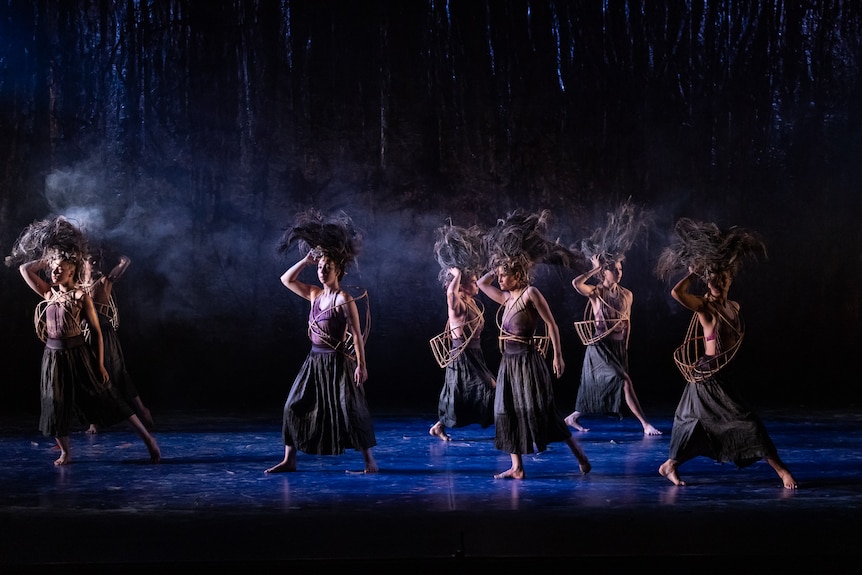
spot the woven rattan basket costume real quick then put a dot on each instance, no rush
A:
(348, 345)
(540, 341)
(441, 344)
(39, 321)
(691, 359)
(587, 329)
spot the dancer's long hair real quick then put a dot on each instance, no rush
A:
(518, 243)
(334, 236)
(459, 247)
(55, 237)
(707, 249)
(624, 227)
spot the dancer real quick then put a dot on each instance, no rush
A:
(100, 288)
(525, 415)
(326, 411)
(712, 419)
(467, 396)
(605, 331)
(74, 379)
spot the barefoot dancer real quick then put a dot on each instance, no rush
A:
(467, 395)
(525, 415)
(74, 378)
(712, 419)
(326, 412)
(605, 378)
(100, 288)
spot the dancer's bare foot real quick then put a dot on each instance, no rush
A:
(438, 430)
(782, 471)
(787, 478)
(572, 421)
(370, 467)
(287, 464)
(283, 467)
(65, 452)
(668, 469)
(583, 463)
(650, 430)
(511, 474)
(92, 428)
(370, 462)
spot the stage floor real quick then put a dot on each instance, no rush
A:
(434, 506)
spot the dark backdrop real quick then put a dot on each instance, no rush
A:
(188, 133)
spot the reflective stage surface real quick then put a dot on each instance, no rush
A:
(434, 506)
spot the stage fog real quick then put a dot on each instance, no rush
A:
(187, 135)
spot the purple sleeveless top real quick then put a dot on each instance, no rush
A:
(327, 328)
(520, 321)
(63, 316)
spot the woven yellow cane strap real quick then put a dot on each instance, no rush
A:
(587, 329)
(540, 341)
(690, 357)
(441, 344)
(347, 346)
